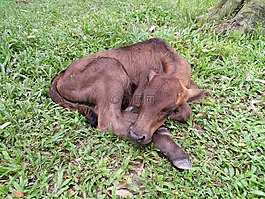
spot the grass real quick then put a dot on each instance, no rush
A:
(49, 152)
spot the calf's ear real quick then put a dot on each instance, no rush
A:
(151, 75)
(196, 94)
(190, 95)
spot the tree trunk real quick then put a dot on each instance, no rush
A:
(242, 15)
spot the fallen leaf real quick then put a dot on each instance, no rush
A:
(209, 160)
(194, 159)
(200, 115)
(257, 102)
(2, 126)
(18, 194)
(179, 137)
(226, 78)
(208, 50)
(241, 144)
(179, 35)
(22, 1)
(31, 36)
(70, 190)
(254, 109)
(123, 193)
(14, 61)
(248, 78)
(152, 29)
(118, 186)
(205, 50)
(121, 185)
(157, 159)
(140, 169)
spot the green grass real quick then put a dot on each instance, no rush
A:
(49, 152)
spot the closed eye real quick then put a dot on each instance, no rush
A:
(168, 111)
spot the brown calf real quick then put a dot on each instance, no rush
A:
(103, 79)
(149, 71)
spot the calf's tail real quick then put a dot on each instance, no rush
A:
(85, 110)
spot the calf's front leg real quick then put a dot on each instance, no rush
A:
(112, 120)
(177, 156)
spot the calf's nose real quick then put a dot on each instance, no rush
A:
(136, 137)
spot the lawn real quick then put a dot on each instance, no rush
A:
(50, 152)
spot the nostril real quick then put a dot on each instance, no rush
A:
(136, 137)
(141, 139)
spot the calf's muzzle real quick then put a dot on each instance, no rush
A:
(138, 138)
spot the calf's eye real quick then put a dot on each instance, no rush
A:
(167, 111)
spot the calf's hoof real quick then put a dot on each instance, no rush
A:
(182, 164)
(177, 156)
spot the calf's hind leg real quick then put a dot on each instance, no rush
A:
(182, 113)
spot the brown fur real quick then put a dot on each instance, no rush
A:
(104, 79)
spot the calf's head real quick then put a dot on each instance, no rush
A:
(163, 94)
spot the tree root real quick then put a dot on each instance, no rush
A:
(241, 15)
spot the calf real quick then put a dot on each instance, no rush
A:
(97, 85)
